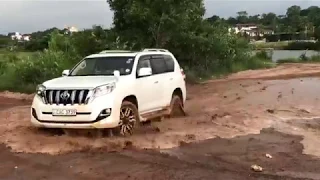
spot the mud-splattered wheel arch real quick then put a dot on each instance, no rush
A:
(176, 108)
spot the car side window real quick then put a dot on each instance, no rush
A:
(144, 62)
(158, 64)
(169, 62)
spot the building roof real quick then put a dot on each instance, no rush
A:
(249, 24)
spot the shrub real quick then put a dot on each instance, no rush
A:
(302, 46)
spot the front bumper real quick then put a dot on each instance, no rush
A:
(89, 116)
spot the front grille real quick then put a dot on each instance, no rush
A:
(66, 96)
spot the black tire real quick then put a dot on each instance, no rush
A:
(176, 108)
(129, 119)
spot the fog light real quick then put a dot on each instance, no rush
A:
(34, 114)
(106, 111)
(104, 114)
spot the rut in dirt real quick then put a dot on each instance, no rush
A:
(6, 103)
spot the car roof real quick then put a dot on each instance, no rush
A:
(112, 55)
(123, 53)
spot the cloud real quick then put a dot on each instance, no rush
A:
(32, 15)
(29, 16)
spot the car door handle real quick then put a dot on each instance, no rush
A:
(156, 82)
(171, 78)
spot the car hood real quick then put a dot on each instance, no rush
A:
(78, 82)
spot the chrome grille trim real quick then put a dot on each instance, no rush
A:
(73, 96)
(80, 96)
(50, 97)
(67, 96)
(57, 97)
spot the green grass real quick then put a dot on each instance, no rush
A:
(19, 54)
(273, 45)
(196, 74)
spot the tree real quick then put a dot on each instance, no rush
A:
(242, 17)
(213, 19)
(178, 26)
(4, 41)
(151, 24)
(294, 18)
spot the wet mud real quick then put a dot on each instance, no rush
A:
(231, 124)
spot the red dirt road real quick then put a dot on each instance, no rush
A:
(231, 124)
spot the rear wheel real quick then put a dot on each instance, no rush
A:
(176, 107)
(129, 118)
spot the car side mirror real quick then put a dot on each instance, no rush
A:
(65, 72)
(146, 71)
(116, 74)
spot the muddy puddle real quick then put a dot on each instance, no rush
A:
(215, 109)
(231, 125)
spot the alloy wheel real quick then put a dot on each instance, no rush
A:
(127, 120)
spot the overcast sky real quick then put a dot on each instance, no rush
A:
(27, 16)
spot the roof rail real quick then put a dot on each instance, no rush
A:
(155, 50)
(115, 51)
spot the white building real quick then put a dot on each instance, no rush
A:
(20, 37)
(251, 30)
(70, 30)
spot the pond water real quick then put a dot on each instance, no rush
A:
(284, 54)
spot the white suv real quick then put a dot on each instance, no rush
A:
(111, 90)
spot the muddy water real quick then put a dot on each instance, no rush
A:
(224, 109)
(223, 126)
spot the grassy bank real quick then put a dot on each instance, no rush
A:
(301, 59)
(287, 45)
(272, 45)
(20, 54)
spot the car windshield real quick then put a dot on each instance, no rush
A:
(104, 66)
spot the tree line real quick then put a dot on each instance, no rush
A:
(296, 19)
(204, 49)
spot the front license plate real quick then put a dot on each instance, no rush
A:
(64, 112)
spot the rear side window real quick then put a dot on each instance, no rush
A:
(169, 63)
(158, 64)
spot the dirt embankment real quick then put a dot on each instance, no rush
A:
(223, 127)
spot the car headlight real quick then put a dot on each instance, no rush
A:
(103, 90)
(40, 90)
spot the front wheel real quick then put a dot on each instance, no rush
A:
(129, 118)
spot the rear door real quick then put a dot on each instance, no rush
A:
(171, 79)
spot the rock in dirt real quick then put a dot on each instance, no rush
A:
(182, 143)
(269, 156)
(128, 145)
(264, 88)
(191, 136)
(271, 111)
(256, 168)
